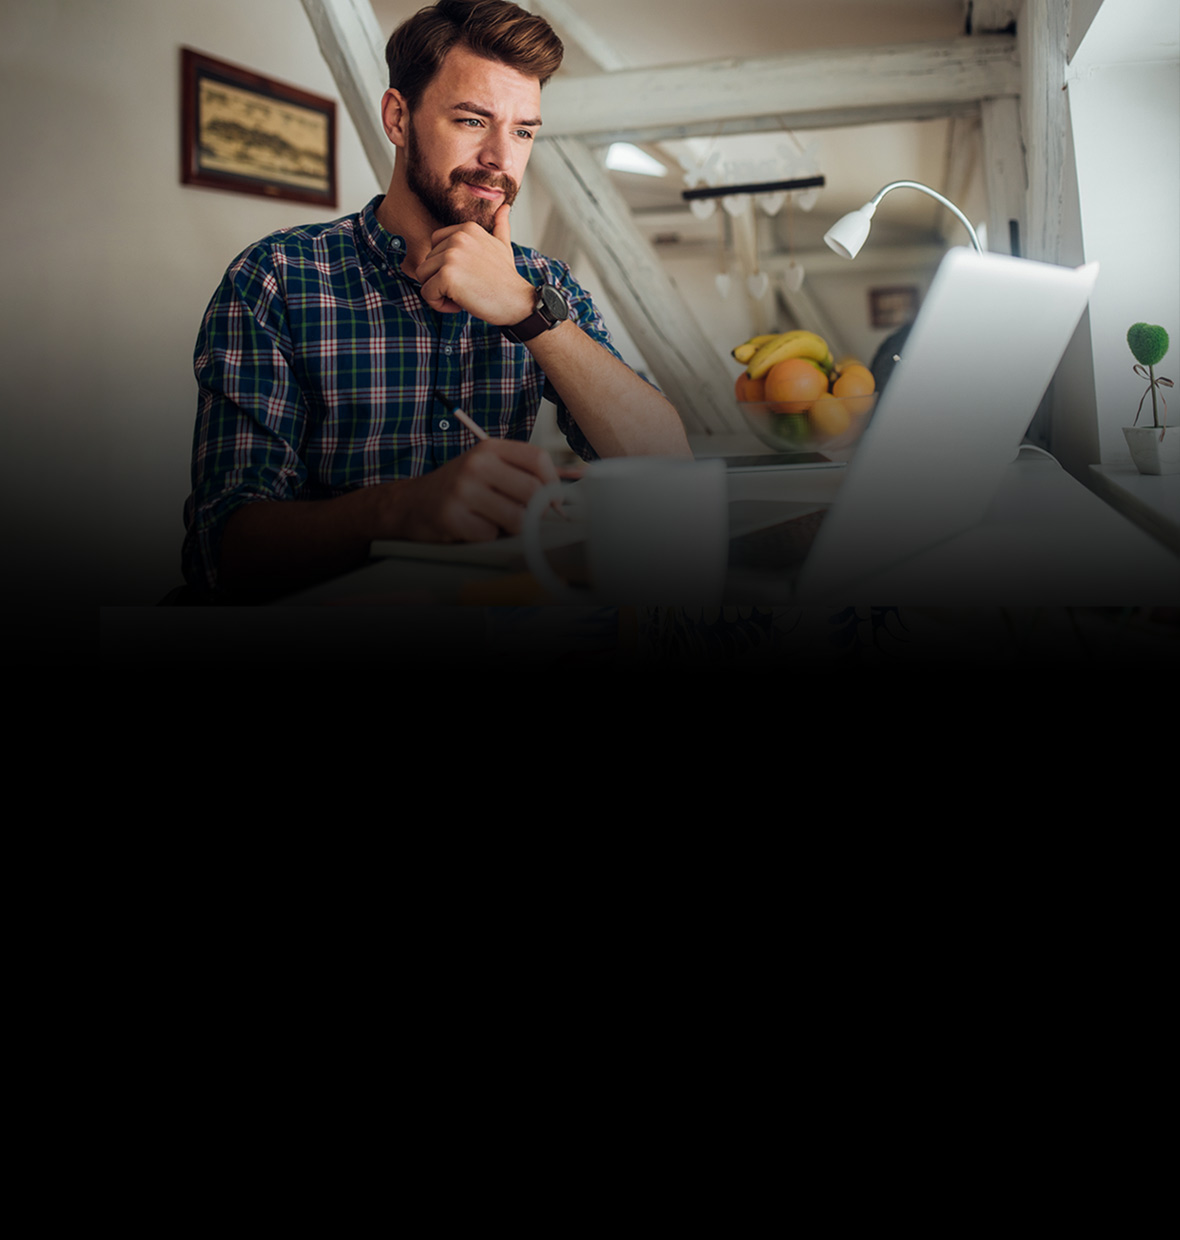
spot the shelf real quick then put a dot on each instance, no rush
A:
(1151, 501)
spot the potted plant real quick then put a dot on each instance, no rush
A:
(1152, 449)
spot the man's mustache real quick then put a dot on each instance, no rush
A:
(489, 180)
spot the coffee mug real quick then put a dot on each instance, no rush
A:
(657, 532)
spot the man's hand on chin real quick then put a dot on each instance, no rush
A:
(469, 268)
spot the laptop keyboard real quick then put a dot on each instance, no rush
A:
(778, 546)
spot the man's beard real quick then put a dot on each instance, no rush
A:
(450, 203)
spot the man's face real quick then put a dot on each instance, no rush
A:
(470, 137)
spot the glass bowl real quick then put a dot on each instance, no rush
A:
(827, 424)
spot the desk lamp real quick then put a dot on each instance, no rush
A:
(848, 234)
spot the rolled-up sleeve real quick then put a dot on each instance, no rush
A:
(251, 418)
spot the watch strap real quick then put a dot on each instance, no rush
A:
(542, 318)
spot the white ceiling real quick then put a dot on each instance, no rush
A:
(663, 32)
(856, 162)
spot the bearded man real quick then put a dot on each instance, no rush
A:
(332, 355)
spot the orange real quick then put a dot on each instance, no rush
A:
(856, 386)
(829, 417)
(792, 385)
(747, 389)
(855, 380)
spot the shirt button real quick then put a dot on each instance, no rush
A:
(397, 243)
(448, 350)
(444, 424)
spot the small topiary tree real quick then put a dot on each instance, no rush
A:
(1149, 344)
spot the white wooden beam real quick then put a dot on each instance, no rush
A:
(576, 29)
(1043, 32)
(1003, 174)
(906, 79)
(353, 47)
(684, 361)
(559, 237)
(825, 118)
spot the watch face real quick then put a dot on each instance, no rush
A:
(554, 303)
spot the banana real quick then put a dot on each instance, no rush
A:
(744, 352)
(789, 344)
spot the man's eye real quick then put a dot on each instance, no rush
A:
(524, 133)
(470, 120)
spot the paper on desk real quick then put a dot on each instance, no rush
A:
(499, 553)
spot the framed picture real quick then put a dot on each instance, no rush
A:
(248, 133)
(894, 306)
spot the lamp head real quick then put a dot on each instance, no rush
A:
(848, 233)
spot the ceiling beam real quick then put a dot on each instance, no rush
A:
(353, 47)
(576, 29)
(908, 80)
(827, 118)
(684, 361)
(1004, 175)
(1044, 109)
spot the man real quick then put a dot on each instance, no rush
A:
(331, 356)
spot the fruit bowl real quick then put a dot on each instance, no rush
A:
(827, 424)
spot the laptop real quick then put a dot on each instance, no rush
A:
(980, 356)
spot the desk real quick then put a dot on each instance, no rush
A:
(1151, 501)
(1046, 541)
(1046, 544)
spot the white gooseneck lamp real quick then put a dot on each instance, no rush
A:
(848, 234)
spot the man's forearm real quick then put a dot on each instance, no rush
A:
(273, 547)
(615, 409)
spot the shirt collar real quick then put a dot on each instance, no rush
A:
(388, 248)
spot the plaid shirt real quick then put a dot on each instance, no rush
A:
(317, 363)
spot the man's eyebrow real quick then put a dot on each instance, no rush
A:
(480, 111)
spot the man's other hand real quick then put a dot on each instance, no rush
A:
(473, 498)
(470, 269)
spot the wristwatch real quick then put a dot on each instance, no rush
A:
(551, 308)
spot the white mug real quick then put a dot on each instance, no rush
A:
(657, 532)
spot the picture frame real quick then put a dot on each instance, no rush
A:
(893, 305)
(249, 134)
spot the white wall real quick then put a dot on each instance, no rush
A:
(1124, 93)
(108, 265)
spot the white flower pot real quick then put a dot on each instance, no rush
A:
(1151, 453)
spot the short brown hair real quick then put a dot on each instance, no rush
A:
(493, 29)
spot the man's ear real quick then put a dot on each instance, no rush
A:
(394, 115)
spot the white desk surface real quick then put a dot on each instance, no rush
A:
(1046, 541)
(1152, 501)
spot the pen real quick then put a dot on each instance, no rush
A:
(469, 422)
(479, 432)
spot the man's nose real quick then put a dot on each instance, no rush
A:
(495, 152)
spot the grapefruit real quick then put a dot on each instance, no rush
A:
(792, 385)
